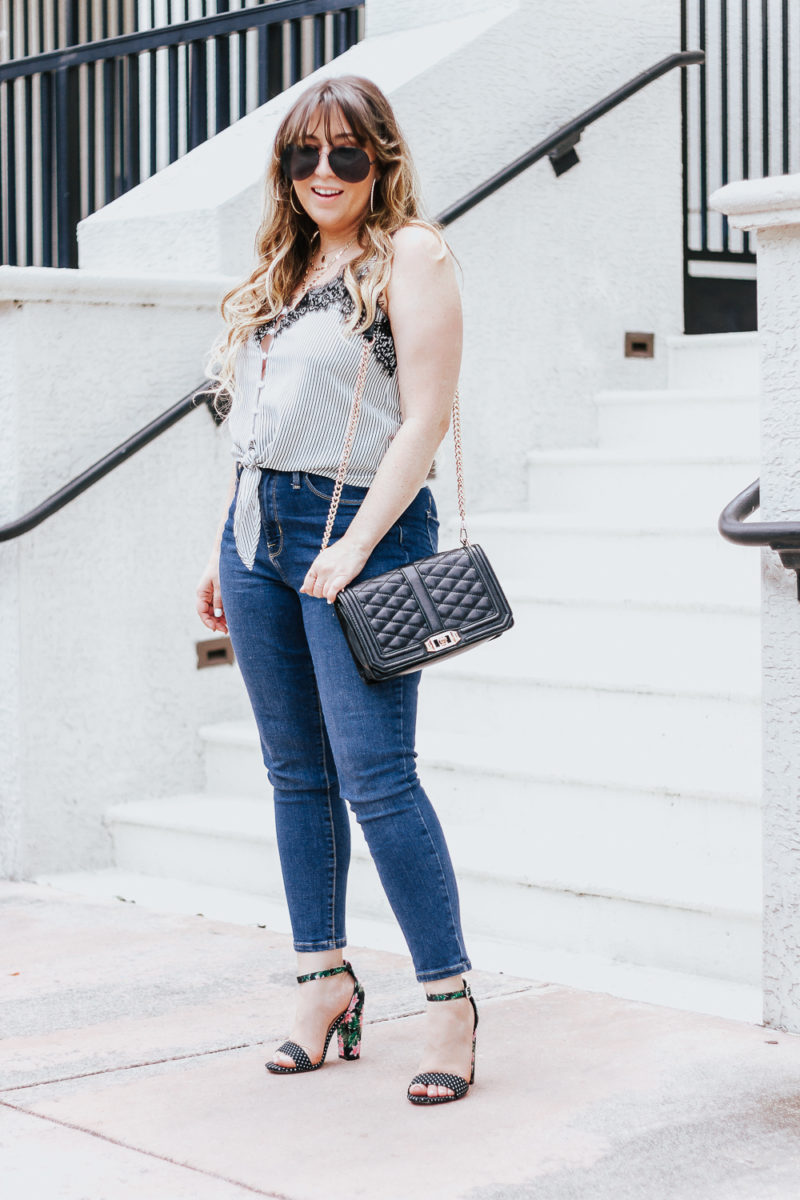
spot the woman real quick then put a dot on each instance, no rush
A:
(341, 249)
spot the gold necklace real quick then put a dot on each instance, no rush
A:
(305, 285)
(326, 265)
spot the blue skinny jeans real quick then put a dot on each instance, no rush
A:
(327, 737)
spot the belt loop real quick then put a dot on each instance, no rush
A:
(295, 480)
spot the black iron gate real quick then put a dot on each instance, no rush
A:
(741, 120)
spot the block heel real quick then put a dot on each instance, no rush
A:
(349, 1030)
(457, 1084)
(347, 1024)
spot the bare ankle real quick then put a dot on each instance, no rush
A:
(318, 960)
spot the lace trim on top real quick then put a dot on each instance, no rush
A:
(325, 296)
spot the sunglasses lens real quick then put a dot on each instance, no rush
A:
(350, 163)
(299, 162)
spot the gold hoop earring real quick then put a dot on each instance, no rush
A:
(372, 196)
(299, 211)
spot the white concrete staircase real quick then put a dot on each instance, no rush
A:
(597, 769)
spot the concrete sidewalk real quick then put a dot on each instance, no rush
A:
(131, 1068)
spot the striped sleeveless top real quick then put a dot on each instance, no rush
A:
(292, 401)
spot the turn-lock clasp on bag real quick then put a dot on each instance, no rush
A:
(424, 611)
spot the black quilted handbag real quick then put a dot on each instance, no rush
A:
(428, 610)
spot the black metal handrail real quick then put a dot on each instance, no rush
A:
(170, 35)
(103, 466)
(560, 146)
(781, 536)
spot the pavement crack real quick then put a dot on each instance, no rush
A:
(175, 1058)
(150, 1062)
(175, 1162)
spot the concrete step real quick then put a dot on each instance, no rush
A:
(577, 557)
(696, 850)
(716, 361)
(628, 738)
(227, 842)
(629, 487)
(708, 652)
(683, 421)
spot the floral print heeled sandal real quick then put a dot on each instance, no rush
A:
(347, 1024)
(456, 1083)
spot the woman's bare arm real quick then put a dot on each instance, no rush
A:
(209, 597)
(425, 309)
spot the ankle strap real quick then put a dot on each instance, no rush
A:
(450, 995)
(323, 974)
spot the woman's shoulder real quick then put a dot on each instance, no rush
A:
(422, 262)
(418, 243)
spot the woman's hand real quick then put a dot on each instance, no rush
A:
(209, 598)
(333, 569)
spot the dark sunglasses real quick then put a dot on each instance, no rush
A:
(351, 164)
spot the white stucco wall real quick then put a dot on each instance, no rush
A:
(99, 669)
(101, 698)
(10, 761)
(772, 208)
(555, 270)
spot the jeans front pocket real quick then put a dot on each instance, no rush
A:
(433, 533)
(322, 487)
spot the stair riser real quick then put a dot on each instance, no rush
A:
(248, 864)
(721, 947)
(675, 939)
(635, 740)
(685, 852)
(691, 851)
(646, 568)
(660, 649)
(237, 770)
(687, 427)
(694, 745)
(695, 492)
(718, 363)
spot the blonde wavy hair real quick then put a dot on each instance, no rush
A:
(284, 240)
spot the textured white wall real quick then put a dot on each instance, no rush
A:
(778, 268)
(772, 207)
(100, 597)
(10, 765)
(555, 270)
(387, 16)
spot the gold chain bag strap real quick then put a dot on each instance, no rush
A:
(422, 612)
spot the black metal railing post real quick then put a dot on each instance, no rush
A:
(68, 165)
(198, 94)
(133, 169)
(222, 76)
